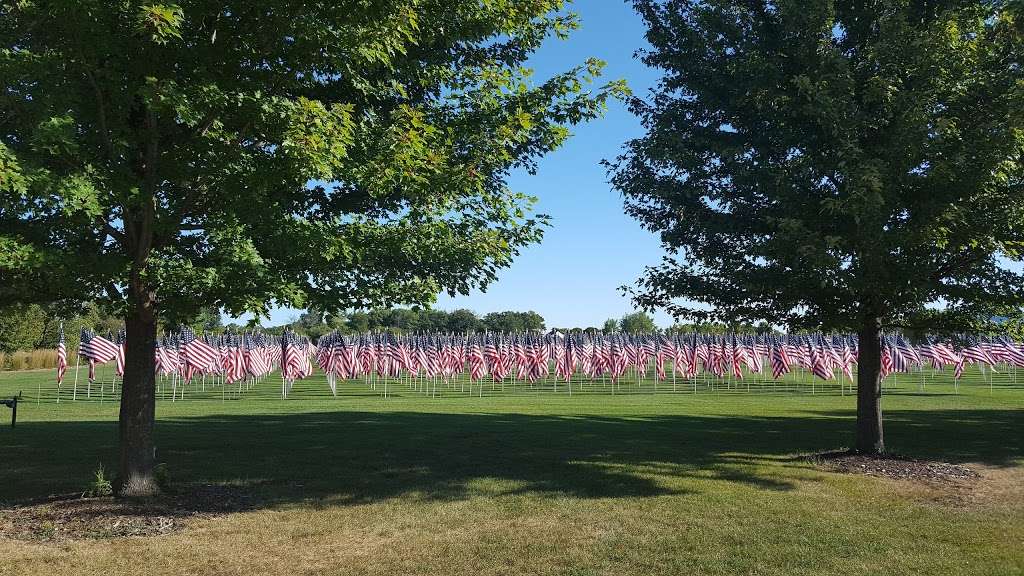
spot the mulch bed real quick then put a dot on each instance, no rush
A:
(70, 517)
(893, 466)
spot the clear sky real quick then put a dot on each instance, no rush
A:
(592, 248)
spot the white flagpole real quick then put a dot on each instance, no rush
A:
(74, 395)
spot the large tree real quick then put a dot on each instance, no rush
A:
(832, 165)
(512, 321)
(21, 326)
(463, 320)
(166, 157)
(637, 323)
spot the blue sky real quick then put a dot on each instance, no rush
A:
(592, 248)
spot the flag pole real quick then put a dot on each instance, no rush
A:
(78, 360)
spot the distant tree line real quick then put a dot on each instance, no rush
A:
(27, 327)
(32, 326)
(719, 328)
(408, 321)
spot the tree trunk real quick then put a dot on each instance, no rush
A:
(869, 389)
(138, 395)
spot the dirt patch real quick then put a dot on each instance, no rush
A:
(893, 466)
(930, 482)
(70, 518)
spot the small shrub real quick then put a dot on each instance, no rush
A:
(46, 531)
(99, 485)
(162, 476)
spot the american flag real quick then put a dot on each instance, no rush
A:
(435, 358)
(820, 365)
(97, 349)
(779, 359)
(756, 350)
(293, 357)
(660, 353)
(737, 357)
(1013, 353)
(563, 358)
(539, 360)
(976, 353)
(907, 351)
(119, 358)
(887, 360)
(477, 362)
(848, 359)
(167, 361)
(198, 355)
(899, 361)
(258, 360)
(234, 360)
(62, 356)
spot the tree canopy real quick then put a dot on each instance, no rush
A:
(161, 158)
(21, 326)
(511, 321)
(406, 321)
(719, 328)
(831, 165)
(637, 323)
(294, 153)
(810, 163)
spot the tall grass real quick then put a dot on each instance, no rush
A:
(31, 360)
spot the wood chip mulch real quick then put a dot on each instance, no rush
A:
(70, 517)
(893, 466)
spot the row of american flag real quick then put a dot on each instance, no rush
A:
(531, 357)
(232, 356)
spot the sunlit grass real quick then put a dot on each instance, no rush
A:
(485, 480)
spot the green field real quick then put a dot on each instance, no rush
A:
(527, 480)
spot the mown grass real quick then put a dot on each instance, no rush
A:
(531, 480)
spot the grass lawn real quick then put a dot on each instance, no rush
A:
(533, 481)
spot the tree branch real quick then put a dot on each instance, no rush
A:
(109, 230)
(113, 293)
(108, 144)
(203, 126)
(144, 234)
(956, 264)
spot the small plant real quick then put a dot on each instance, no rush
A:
(99, 485)
(162, 476)
(46, 531)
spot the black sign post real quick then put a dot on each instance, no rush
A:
(13, 405)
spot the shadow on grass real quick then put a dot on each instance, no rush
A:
(336, 458)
